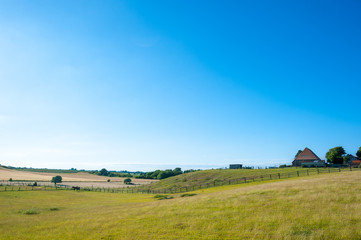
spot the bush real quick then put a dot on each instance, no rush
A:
(31, 211)
(10, 180)
(127, 181)
(108, 180)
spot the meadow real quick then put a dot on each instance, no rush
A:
(324, 206)
(217, 177)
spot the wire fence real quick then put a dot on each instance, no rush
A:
(31, 186)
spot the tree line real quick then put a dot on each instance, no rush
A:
(157, 174)
(162, 174)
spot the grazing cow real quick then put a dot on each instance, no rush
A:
(75, 188)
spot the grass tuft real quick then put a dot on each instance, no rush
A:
(188, 194)
(31, 211)
(162, 196)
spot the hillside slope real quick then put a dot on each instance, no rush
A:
(216, 177)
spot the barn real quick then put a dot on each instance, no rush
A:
(308, 158)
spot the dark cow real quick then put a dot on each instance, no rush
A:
(75, 188)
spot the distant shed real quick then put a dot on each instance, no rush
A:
(235, 166)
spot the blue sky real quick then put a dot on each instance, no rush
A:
(140, 85)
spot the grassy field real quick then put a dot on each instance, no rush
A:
(222, 176)
(324, 206)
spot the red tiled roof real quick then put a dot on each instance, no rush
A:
(307, 154)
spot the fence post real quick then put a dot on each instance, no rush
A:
(298, 173)
(279, 176)
(270, 176)
(288, 175)
(328, 170)
(350, 168)
(307, 172)
(339, 169)
(318, 171)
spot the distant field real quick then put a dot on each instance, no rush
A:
(44, 170)
(325, 206)
(79, 179)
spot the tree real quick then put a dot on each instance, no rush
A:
(127, 181)
(346, 158)
(57, 179)
(177, 171)
(298, 153)
(358, 154)
(163, 174)
(335, 155)
(103, 172)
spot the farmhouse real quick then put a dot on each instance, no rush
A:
(308, 158)
(354, 161)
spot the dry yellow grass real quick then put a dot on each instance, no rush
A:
(324, 206)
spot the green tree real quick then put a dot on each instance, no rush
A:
(57, 179)
(127, 181)
(103, 172)
(163, 174)
(177, 171)
(335, 155)
(298, 153)
(346, 158)
(358, 154)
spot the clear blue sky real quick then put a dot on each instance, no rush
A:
(155, 84)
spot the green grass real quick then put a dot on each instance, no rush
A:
(324, 206)
(217, 177)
